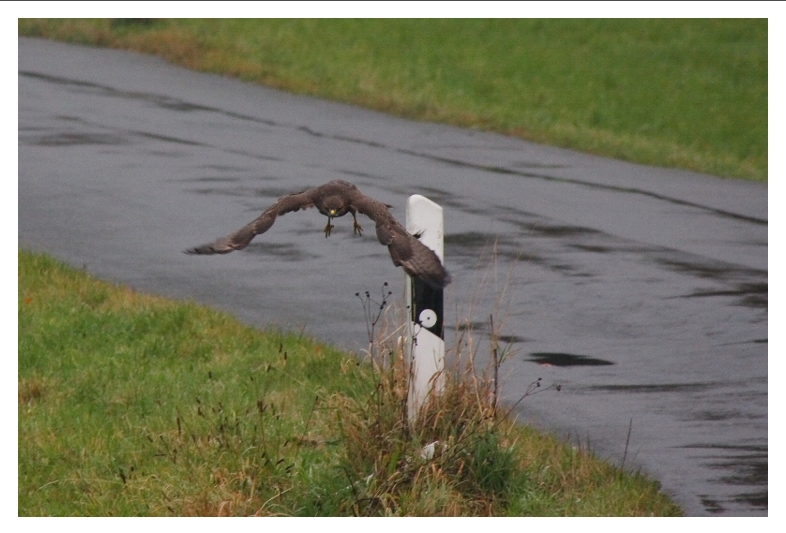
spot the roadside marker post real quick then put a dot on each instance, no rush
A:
(425, 331)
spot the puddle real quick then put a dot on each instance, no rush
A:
(288, 252)
(566, 359)
(741, 466)
(753, 294)
(656, 388)
(513, 339)
(74, 139)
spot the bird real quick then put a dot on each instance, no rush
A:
(335, 199)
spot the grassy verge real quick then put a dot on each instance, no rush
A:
(134, 405)
(680, 93)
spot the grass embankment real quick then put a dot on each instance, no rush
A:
(135, 405)
(679, 93)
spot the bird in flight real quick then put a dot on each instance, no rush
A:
(336, 199)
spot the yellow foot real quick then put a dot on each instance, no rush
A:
(358, 229)
(327, 229)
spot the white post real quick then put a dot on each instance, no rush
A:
(425, 309)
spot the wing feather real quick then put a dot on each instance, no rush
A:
(240, 239)
(405, 249)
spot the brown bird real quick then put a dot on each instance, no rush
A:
(336, 199)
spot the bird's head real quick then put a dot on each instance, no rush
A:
(333, 206)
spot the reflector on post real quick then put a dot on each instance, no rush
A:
(425, 330)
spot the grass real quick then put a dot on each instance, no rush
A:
(130, 404)
(133, 405)
(680, 93)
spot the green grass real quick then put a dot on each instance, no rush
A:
(133, 405)
(130, 404)
(679, 93)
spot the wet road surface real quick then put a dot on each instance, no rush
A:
(642, 291)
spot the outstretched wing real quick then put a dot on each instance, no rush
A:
(240, 239)
(405, 249)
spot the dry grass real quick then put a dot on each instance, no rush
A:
(464, 456)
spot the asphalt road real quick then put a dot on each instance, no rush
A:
(642, 291)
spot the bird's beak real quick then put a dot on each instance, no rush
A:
(332, 212)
